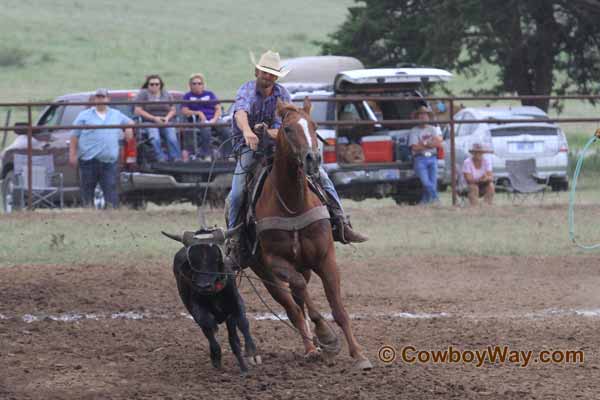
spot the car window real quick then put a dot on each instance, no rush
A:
(318, 111)
(525, 130)
(70, 113)
(352, 111)
(395, 109)
(467, 129)
(51, 116)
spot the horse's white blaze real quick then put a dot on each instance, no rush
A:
(304, 124)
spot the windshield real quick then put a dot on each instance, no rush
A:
(525, 130)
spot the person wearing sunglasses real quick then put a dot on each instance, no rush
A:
(162, 113)
(208, 111)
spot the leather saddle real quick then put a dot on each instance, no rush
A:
(248, 238)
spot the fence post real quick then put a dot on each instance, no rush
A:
(452, 155)
(29, 159)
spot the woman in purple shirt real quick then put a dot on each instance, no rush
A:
(209, 111)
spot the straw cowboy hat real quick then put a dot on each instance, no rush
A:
(479, 148)
(271, 63)
(420, 110)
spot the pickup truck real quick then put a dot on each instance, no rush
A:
(365, 161)
(141, 180)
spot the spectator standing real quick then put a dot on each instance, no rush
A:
(206, 112)
(96, 151)
(424, 141)
(477, 171)
(153, 90)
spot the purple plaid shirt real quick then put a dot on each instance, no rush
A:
(259, 108)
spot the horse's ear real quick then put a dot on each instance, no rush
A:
(280, 107)
(307, 105)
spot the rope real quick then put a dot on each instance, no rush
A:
(572, 198)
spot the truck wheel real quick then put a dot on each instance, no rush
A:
(10, 201)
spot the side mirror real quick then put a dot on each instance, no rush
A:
(21, 128)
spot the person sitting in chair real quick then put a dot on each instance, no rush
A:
(153, 90)
(254, 110)
(209, 112)
(477, 171)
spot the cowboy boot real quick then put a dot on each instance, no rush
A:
(341, 227)
(232, 258)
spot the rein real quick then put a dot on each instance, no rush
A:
(280, 199)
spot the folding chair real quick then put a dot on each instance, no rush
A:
(523, 179)
(46, 184)
(462, 189)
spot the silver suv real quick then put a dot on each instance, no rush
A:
(543, 141)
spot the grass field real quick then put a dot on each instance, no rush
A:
(536, 227)
(61, 46)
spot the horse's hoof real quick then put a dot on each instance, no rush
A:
(364, 364)
(312, 356)
(329, 359)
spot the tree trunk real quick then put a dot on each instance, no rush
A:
(541, 54)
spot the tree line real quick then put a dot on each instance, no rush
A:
(540, 47)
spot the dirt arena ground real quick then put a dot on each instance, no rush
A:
(131, 339)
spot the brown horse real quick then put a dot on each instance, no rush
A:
(290, 253)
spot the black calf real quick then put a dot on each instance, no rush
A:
(209, 293)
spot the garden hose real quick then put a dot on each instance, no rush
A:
(594, 138)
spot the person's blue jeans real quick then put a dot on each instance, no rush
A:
(329, 188)
(204, 136)
(170, 135)
(426, 170)
(246, 163)
(93, 172)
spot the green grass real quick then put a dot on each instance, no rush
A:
(534, 228)
(76, 45)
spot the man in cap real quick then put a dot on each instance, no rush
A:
(477, 171)
(254, 110)
(424, 141)
(97, 150)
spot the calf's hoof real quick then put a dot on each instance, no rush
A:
(255, 360)
(329, 359)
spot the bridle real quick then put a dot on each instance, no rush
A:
(297, 157)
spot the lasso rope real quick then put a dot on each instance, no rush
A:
(572, 195)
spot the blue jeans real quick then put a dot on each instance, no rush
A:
(93, 172)
(426, 170)
(204, 136)
(246, 163)
(172, 143)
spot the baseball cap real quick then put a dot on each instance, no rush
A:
(101, 92)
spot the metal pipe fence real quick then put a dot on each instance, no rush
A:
(31, 129)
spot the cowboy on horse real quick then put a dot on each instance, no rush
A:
(254, 112)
